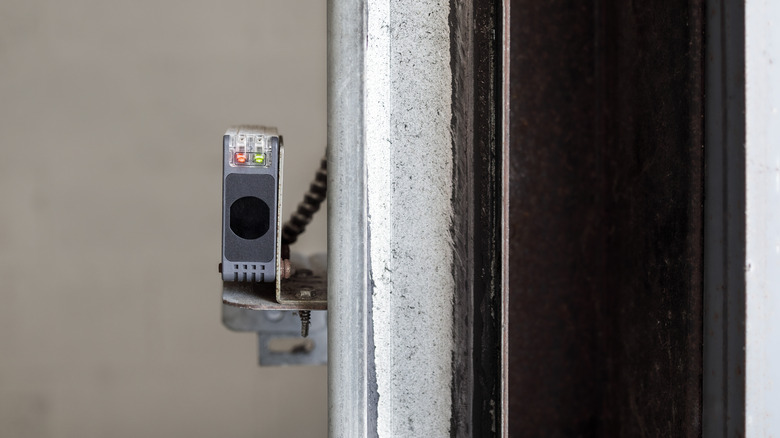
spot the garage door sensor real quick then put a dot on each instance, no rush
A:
(250, 200)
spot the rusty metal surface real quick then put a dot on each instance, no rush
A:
(262, 296)
(605, 218)
(307, 289)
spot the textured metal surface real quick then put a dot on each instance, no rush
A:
(261, 296)
(305, 290)
(408, 115)
(605, 250)
(413, 219)
(351, 389)
(476, 220)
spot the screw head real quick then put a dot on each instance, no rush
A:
(305, 293)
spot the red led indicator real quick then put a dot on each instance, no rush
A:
(241, 158)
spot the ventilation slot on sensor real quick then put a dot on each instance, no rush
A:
(248, 272)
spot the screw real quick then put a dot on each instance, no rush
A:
(305, 321)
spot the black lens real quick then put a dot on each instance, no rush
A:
(250, 217)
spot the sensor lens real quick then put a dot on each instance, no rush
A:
(250, 217)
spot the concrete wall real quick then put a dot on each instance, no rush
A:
(111, 117)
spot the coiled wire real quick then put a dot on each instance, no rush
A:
(312, 199)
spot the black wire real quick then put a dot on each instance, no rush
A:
(306, 209)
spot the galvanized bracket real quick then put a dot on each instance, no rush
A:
(255, 307)
(278, 335)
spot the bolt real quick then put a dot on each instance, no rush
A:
(287, 269)
(305, 321)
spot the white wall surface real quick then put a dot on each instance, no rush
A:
(762, 264)
(111, 118)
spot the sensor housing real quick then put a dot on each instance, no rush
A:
(252, 159)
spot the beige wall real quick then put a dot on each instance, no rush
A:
(111, 118)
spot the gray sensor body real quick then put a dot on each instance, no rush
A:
(252, 159)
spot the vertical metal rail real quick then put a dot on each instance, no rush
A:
(723, 383)
(742, 220)
(391, 275)
(506, 22)
(413, 218)
(351, 410)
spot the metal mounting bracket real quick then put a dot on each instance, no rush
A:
(305, 290)
(278, 335)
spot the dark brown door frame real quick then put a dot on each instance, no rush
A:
(605, 218)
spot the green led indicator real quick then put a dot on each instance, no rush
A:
(260, 158)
